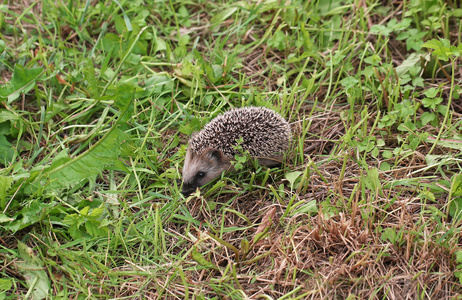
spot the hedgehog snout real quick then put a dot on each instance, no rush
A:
(190, 184)
(188, 189)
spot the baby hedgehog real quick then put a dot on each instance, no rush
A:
(265, 134)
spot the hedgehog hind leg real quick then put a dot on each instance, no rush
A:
(272, 162)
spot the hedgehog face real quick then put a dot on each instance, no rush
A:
(200, 169)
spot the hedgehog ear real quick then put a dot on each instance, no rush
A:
(214, 153)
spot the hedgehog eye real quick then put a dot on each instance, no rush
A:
(200, 174)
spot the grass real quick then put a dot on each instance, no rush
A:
(99, 98)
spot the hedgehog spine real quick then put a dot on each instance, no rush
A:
(265, 135)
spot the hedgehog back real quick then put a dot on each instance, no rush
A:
(264, 132)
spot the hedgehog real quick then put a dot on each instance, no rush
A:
(265, 135)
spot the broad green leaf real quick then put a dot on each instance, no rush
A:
(189, 127)
(6, 151)
(456, 12)
(86, 223)
(33, 271)
(5, 183)
(126, 18)
(408, 63)
(418, 81)
(459, 257)
(372, 180)
(160, 44)
(214, 72)
(90, 76)
(29, 215)
(85, 210)
(431, 93)
(74, 231)
(431, 103)
(387, 154)
(6, 115)
(4, 218)
(94, 229)
(434, 44)
(458, 274)
(292, 176)
(396, 26)
(373, 60)
(60, 159)
(456, 189)
(278, 40)
(5, 284)
(65, 173)
(441, 48)
(449, 143)
(380, 29)
(389, 234)
(124, 95)
(349, 82)
(222, 16)
(455, 208)
(22, 81)
(384, 166)
(427, 117)
(109, 41)
(183, 12)
(97, 212)
(407, 126)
